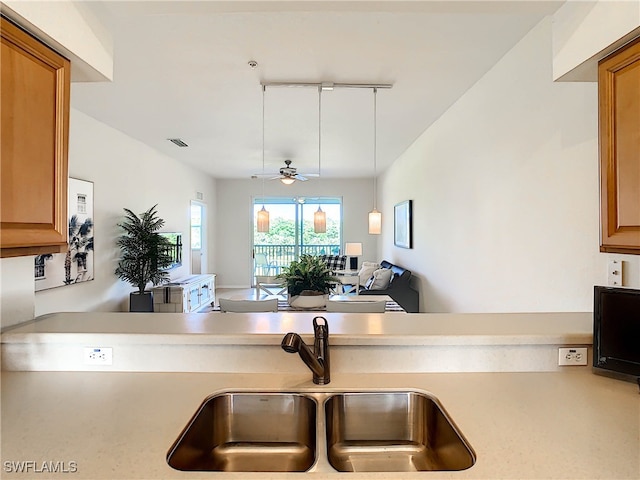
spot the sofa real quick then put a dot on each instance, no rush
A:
(399, 289)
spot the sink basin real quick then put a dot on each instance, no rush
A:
(249, 432)
(320, 431)
(392, 432)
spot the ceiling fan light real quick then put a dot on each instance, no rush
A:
(319, 221)
(287, 180)
(375, 222)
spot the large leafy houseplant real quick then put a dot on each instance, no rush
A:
(308, 274)
(144, 253)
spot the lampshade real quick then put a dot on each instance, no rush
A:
(263, 220)
(287, 180)
(319, 221)
(353, 249)
(375, 222)
(375, 217)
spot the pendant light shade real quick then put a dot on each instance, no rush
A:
(375, 222)
(319, 221)
(375, 217)
(263, 215)
(319, 217)
(263, 220)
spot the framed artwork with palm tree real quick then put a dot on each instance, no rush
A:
(75, 266)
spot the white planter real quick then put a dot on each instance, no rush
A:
(308, 301)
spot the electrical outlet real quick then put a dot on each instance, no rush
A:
(572, 356)
(98, 355)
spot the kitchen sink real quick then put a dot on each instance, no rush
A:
(257, 432)
(392, 432)
(320, 431)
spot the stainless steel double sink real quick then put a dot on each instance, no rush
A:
(345, 431)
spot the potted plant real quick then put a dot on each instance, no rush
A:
(143, 256)
(308, 281)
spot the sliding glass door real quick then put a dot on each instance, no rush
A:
(291, 231)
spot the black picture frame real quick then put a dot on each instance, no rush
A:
(403, 224)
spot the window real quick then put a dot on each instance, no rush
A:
(291, 231)
(196, 226)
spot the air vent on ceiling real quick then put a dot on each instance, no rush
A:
(178, 142)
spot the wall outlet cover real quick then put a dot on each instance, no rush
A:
(572, 356)
(614, 273)
(98, 356)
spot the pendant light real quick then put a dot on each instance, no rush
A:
(263, 214)
(375, 217)
(319, 217)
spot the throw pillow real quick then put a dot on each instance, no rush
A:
(380, 279)
(366, 271)
(335, 262)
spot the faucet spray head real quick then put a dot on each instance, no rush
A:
(291, 343)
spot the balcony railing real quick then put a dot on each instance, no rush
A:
(271, 258)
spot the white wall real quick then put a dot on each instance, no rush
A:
(70, 29)
(233, 252)
(505, 191)
(586, 31)
(125, 173)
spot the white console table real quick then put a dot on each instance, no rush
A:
(185, 295)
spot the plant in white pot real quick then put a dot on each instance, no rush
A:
(143, 256)
(308, 281)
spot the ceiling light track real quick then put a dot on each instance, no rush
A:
(327, 85)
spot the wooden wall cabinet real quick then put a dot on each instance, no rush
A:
(619, 107)
(35, 87)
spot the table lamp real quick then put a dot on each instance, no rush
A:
(353, 250)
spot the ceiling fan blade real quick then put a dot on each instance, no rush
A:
(301, 178)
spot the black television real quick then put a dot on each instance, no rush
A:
(616, 332)
(174, 250)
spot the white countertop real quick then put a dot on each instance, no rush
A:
(570, 425)
(121, 424)
(346, 329)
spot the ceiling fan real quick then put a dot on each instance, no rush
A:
(289, 174)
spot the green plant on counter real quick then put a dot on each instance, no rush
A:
(309, 273)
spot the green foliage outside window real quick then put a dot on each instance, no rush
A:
(282, 232)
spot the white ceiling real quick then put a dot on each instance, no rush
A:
(181, 70)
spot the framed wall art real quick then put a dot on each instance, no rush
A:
(75, 266)
(402, 224)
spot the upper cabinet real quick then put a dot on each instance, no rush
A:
(35, 87)
(619, 104)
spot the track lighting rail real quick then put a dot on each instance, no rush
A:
(326, 85)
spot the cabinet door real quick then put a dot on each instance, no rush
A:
(619, 103)
(206, 291)
(194, 297)
(34, 97)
